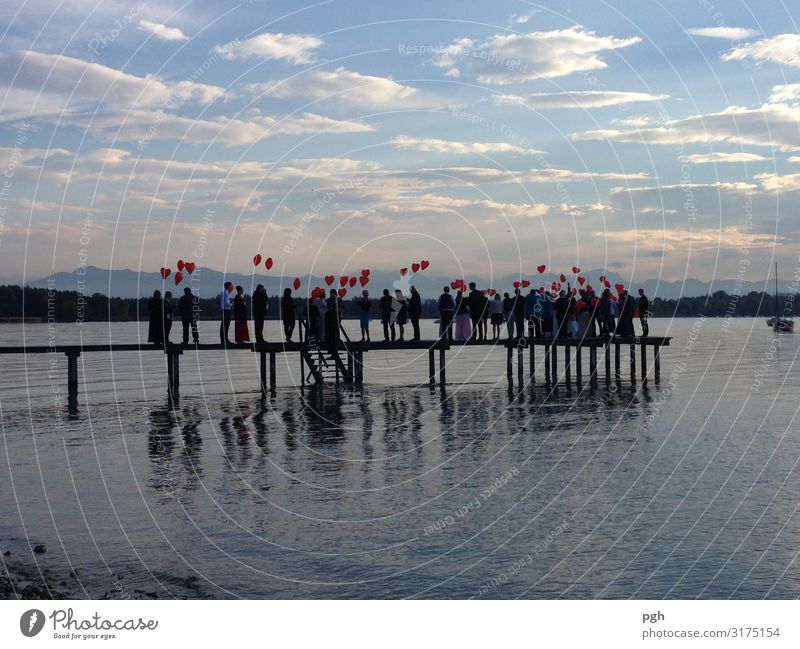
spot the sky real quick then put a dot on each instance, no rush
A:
(653, 139)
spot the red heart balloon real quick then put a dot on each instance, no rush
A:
(541, 268)
(563, 277)
(178, 278)
(296, 283)
(613, 297)
(581, 280)
(353, 281)
(363, 279)
(329, 279)
(589, 287)
(403, 271)
(180, 264)
(256, 260)
(365, 272)
(516, 284)
(454, 285)
(343, 280)
(576, 270)
(619, 287)
(342, 292)
(414, 267)
(574, 291)
(606, 283)
(268, 263)
(189, 267)
(541, 290)
(525, 283)
(165, 273)
(602, 278)
(424, 264)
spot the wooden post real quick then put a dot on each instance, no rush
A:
(263, 372)
(273, 383)
(520, 363)
(657, 362)
(633, 362)
(593, 364)
(170, 375)
(532, 361)
(617, 374)
(350, 364)
(547, 363)
(72, 375)
(431, 367)
(643, 370)
(554, 360)
(567, 365)
(302, 368)
(509, 364)
(578, 364)
(442, 375)
(607, 354)
(359, 368)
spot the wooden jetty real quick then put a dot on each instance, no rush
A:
(328, 365)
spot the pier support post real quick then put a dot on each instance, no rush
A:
(617, 373)
(633, 362)
(520, 363)
(359, 368)
(350, 364)
(657, 362)
(547, 363)
(72, 375)
(262, 370)
(510, 364)
(431, 367)
(302, 369)
(173, 370)
(567, 365)
(607, 355)
(593, 365)
(273, 383)
(578, 364)
(554, 359)
(442, 364)
(532, 362)
(643, 370)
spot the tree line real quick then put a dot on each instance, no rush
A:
(66, 306)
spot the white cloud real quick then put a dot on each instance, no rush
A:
(294, 48)
(343, 86)
(35, 81)
(771, 125)
(449, 146)
(162, 32)
(577, 99)
(508, 58)
(716, 158)
(785, 94)
(783, 49)
(729, 33)
(454, 176)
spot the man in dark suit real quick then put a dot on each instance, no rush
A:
(644, 312)
(259, 301)
(446, 309)
(477, 306)
(385, 306)
(189, 309)
(415, 311)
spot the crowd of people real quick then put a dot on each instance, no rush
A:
(465, 316)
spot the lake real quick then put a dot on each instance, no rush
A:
(683, 489)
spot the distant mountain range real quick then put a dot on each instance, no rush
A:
(206, 282)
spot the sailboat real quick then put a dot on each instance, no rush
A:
(780, 323)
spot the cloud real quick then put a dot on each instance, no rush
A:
(345, 87)
(509, 58)
(144, 126)
(36, 81)
(454, 176)
(783, 49)
(729, 33)
(771, 125)
(717, 158)
(404, 142)
(577, 99)
(294, 48)
(162, 32)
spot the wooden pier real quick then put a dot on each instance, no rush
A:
(328, 365)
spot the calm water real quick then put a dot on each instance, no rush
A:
(685, 489)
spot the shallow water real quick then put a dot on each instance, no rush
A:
(687, 488)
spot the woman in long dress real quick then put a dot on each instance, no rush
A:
(155, 329)
(400, 307)
(241, 333)
(463, 326)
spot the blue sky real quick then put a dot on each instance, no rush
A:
(657, 140)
